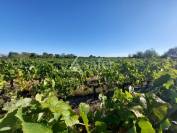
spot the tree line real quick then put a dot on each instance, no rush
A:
(43, 55)
(149, 53)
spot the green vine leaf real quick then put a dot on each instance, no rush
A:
(84, 110)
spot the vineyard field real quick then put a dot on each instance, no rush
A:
(88, 95)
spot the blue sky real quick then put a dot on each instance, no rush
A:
(84, 27)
